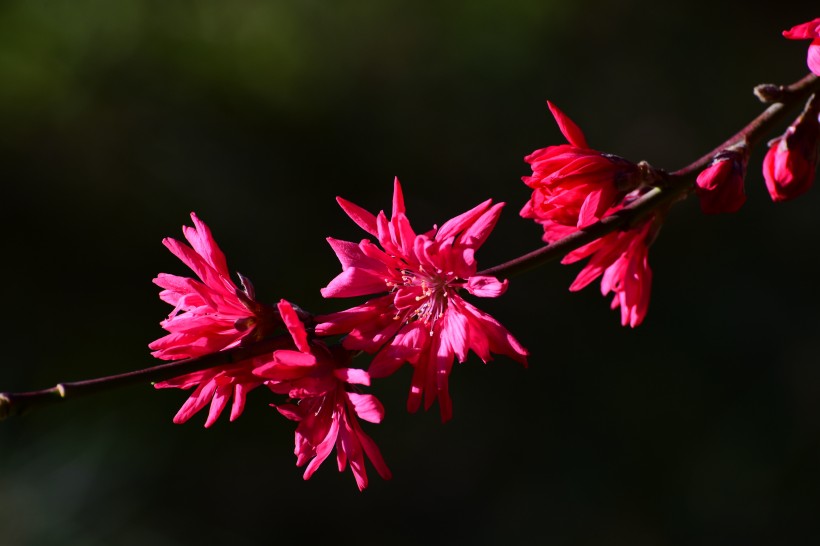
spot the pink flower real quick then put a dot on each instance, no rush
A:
(574, 185)
(620, 258)
(316, 377)
(422, 319)
(216, 386)
(210, 314)
(808, 31)
(720, 185)
(789, 165)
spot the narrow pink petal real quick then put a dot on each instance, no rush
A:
(352, 375)
(589, 273)
(570, 130)
(398, 198)
(363, 219)
(486, 287)
(430, 384)
(204, 244)
(804, 31)
(366, 406)
(323, 449)
(210, 276)
(404, 347)
(286, 366)
(294, 326)
(220, 400)
(403, 233)
(475, 235)
(454, 334)
(240, 392)
(291, 411)
(417, 384)
(589, 213)
(294, 358)
(499, 339)
(348, 446)
(373, 453)
(385, 363)
(344, 321)
(348, 252)
(185, 381)
(198, 400)
(355, 281)
(456, 225)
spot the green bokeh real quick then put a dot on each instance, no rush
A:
(117, 119)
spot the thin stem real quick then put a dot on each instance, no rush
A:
(16, 403)
(674, 185)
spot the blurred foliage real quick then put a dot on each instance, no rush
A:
(701, 427)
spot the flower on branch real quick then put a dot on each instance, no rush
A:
(574, 185)
(316, 379)
(422, 319)
(210, 314)
(791, 162)
(808, 31)
(621, 260)
(720, 185)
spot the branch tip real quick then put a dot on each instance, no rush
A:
(768, 93)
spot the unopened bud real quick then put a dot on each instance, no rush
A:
(720, 185)
(790, 164)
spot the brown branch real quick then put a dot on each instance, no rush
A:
(673, 186)
(16, 403)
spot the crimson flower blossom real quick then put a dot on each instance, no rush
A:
(808, 31)
(790, 164)
(316, 377)
(574, 185)
(720, 185)
(422, 319)
(210, 314)
(621, 260)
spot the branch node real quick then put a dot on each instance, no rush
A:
(768, 93)
(5, 407)
(60, 388)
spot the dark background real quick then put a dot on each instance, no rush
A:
(117, 119)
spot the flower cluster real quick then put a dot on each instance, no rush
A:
(421, 320)
(418, 284)
(791, 162)
(211, 314)
(574, 186)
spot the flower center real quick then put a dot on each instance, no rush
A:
(422, 295)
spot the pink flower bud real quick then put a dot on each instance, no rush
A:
(790, 163)
(720, 185)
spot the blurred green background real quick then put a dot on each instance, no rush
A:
(117, 119)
